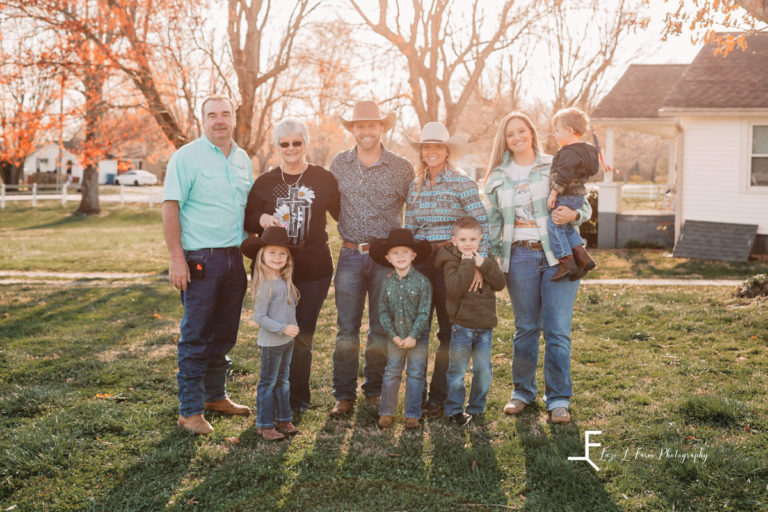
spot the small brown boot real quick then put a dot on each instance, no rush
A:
(411, 423)
(583, 261)
(566, 268)
(342, 407)
(385, 421)
(227, 406)
(196, 424)
(286, 428)
(270, 434)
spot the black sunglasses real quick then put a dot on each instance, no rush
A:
(295, 143)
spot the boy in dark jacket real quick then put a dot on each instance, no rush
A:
(572, 166)
(472, 315)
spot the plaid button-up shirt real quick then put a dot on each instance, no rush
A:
(500, 192)
(431, 213)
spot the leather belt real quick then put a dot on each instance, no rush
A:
(533, 245)
(362, 248)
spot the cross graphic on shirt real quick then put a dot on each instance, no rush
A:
(296, 207)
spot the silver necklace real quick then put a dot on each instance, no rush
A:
(295, 183)
(360, 169)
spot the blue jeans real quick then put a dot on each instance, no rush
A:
(357, 275)
(212, 306)
(540, 304)
(466, 342)
(563, 237)
(415, 372)
(312, 296)
(437, 386)
(273, 390)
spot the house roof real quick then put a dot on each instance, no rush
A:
(737, 81)
(640, 92)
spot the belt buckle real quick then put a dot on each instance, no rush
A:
(363, 248)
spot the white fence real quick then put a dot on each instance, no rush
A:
(35, 193)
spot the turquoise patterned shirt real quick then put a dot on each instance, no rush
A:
(404, 304)
(431, 213)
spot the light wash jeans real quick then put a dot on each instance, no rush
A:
(465, 343)
(415, 372)
(563, 237)
(540, 304)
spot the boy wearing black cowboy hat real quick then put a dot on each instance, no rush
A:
(404, 304)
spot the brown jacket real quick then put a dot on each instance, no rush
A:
(476, 310)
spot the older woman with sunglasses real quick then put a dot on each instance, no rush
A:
(297, 195)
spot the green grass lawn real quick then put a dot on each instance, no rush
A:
(130, 239)
(88, 409)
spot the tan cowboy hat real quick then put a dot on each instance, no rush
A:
(368, 111)
(436, 133)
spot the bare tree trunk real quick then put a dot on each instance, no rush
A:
(89, 200)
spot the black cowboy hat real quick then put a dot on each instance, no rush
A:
(399, 238)
(273, 235)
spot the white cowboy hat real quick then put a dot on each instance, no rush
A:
(368, 111)
(436, 133)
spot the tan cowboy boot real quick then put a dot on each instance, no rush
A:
(196, 424)
(342, 407)
(227, 406)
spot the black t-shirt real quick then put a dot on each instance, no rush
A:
(300, 202)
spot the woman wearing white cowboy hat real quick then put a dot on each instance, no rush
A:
(439, 196)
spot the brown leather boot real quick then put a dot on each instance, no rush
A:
(342, 407)
(270, 434)
(286, 428)
(566, 268)
(583, 261)
(411, 423)
(227, 406)
(196, 424)
(385, 421)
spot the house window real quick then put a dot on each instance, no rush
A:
(758, 168)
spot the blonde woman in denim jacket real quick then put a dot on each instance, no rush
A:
(517, 187)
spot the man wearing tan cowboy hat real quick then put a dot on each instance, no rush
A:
(373, 183)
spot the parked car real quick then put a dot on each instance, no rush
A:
(136, 177)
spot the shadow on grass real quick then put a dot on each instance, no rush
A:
(151, 482)
(72, 218)
(552, 481)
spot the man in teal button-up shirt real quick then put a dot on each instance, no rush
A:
(206, 187)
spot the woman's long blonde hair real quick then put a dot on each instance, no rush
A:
(500, 141)
(421, 169)
(260, 273)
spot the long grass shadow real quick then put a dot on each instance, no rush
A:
(71, 219)
(552, 481)
(151, 482)
(317, 468)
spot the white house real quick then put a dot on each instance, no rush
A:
(45, 158)
(715, 110)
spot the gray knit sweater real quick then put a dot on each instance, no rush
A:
(273, 313)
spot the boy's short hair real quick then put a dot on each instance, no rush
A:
(573, 118)
(467, 222)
